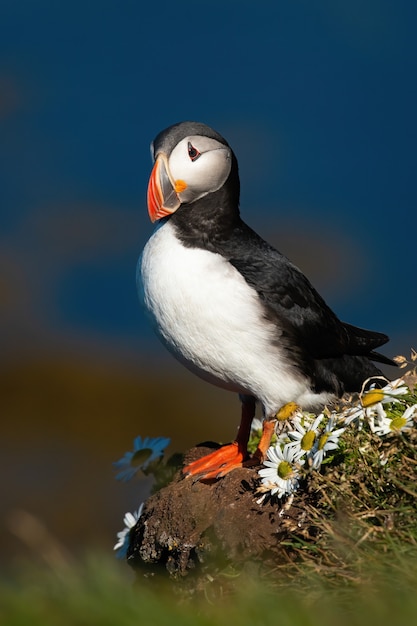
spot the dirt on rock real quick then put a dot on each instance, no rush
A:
(191, 526)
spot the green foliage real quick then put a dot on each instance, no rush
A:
(101, 592)
(360, 509)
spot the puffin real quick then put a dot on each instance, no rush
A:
(230, 307)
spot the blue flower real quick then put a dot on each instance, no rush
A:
(143, 454)
(123, 537)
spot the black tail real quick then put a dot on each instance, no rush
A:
(365, 340)
(380, 358)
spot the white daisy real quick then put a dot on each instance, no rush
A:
(396, 424)
(354, 414)
(371, 401)
(123, 536)
(375, 416)
(328, 440)
(410, 412)
(395, 388)
(280, 475)
(304, 436)
(389, 393)
(371, 409)
(287, 416)
(383, 427)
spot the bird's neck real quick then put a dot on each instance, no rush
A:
(212, 218)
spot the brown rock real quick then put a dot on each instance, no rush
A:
(191, 525)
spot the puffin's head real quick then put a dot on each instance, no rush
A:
(191, 161)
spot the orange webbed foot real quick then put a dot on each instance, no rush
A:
(233, 455)
(229, 457)
(217, 463)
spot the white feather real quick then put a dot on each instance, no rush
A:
(204, 175)
(213, 322)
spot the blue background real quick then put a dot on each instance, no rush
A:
(318, 101)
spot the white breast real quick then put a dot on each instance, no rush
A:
(212, 321)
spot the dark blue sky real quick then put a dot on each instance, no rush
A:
(318, 100)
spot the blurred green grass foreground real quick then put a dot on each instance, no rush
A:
(101, 591)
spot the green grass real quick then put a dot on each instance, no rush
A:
(100, 591)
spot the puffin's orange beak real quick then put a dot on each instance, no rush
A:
(162, 196)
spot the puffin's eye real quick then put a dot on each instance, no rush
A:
(193, 153)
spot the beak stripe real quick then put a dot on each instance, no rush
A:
(162, 197)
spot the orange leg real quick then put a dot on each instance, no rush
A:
(235, 454)
(268, 429)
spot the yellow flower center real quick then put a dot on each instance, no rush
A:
(286, 411)
(141, 456)
(397, 423)
(307, 441)
(284, 470)
(372, 397)
(322, 441)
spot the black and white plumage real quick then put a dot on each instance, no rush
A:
(227, 304)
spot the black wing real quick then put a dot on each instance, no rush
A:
(292, 302)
